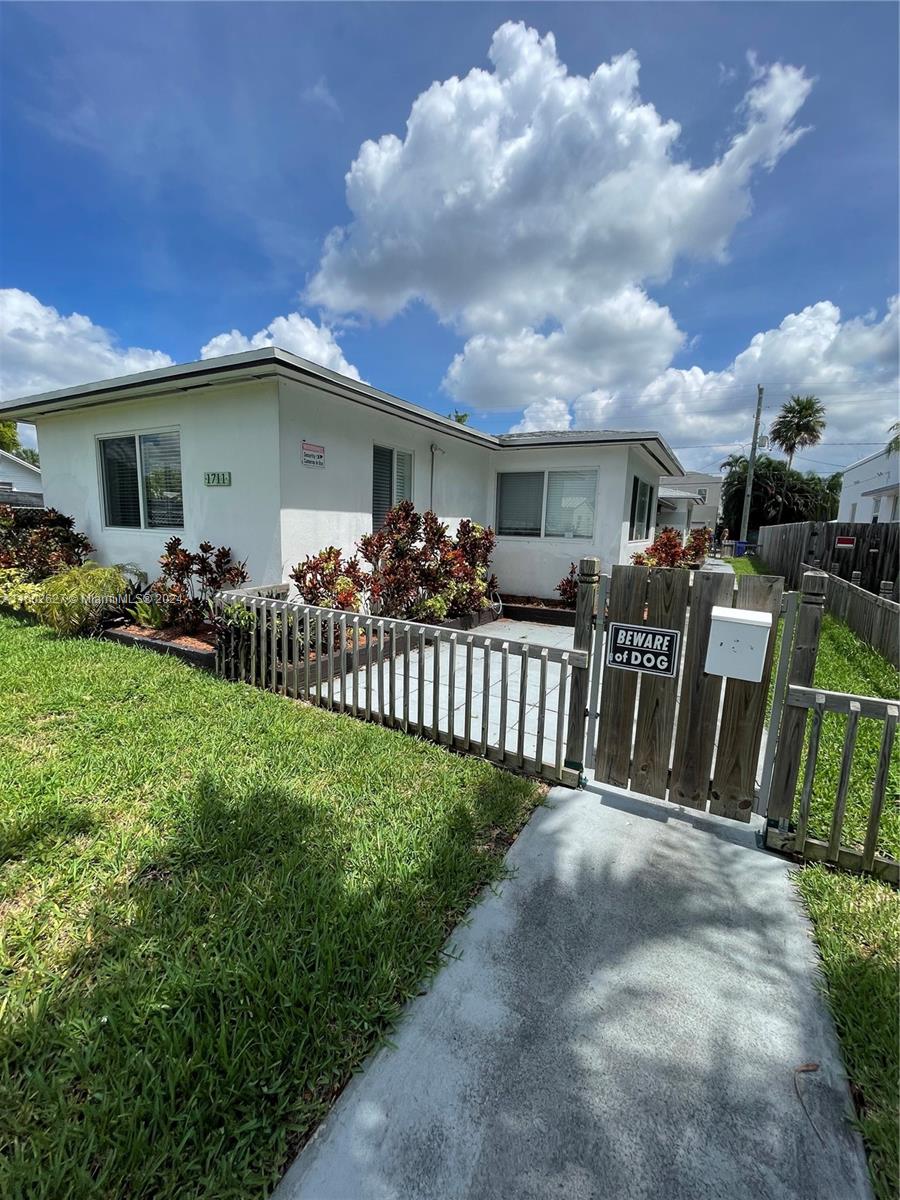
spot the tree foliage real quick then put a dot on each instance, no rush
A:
(799, 425)
(9, 437)
(780, 494)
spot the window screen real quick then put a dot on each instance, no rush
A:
(570, 504)
(161, 462)
(118, 457)
(520, 497)
(702, 493)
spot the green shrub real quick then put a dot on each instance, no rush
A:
(82, 599)
(17, 591)
(150, 614)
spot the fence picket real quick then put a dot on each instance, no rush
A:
(561, 713)
(342, 662)
(879, 787)
(436, 688)
(331, 668)
(451, 689)
(618, 692)
(542, 704)
(381, 712)
(504, 694)
(840, 804)
(470, 651)
(667, 598)
(744, 711)
(420, 690)
(523, 697)
(700, 695)
(407, 649)
(485, 698)
(273, 645)
(370, 662)
(809, 774)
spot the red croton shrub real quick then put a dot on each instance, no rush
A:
(669, 551)
(415, 569)
(189, 581)
(568, 587)
(40, 541)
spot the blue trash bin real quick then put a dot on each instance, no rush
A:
(740, 549)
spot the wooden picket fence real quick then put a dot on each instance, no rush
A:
(798, 840)
(874, 557)
(659, 736)
(506, 701)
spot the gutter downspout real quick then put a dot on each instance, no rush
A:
(434, 450)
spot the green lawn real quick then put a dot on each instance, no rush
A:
(857, 921)
(214, 904)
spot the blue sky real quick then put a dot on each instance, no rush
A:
(171, 172)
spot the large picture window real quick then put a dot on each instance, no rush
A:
(641, 511)
(141, 475)
(392, 481)
(546, 503)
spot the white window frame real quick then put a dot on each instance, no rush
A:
(702, 492)
(546, 472)
(139, 462)
(395, 450)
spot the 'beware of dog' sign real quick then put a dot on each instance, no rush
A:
(641, 648)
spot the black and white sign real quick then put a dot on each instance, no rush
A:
(642, 648)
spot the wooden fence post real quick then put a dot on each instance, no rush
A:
(793, 722)
(856, 578)
(585, 607)
(886, 589)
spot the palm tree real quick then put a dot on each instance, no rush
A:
(800, 423)
(893, 446)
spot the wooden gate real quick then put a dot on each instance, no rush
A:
(692, 737)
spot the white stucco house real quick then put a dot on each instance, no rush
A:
(278, 457)
(870, 489)
(20, 481)
(690, 501)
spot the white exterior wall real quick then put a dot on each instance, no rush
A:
(528, 566)
(22, 476)
(679, 520)
(231, 428)
(876, 471)
(332, 505)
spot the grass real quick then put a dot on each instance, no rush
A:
(214, 904)
(857, 920)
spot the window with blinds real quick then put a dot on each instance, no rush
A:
(141, 477)
(161, 467)
(520, 499)
(571, 499)
(392, 481)
(122, 498)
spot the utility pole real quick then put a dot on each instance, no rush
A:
(751, 463)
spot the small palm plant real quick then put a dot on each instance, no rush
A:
(800, 424)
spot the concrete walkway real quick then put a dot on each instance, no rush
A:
(623, 1018)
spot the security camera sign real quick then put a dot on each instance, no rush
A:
(642, 648)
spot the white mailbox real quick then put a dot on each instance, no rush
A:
(737, 643)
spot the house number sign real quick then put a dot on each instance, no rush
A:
(217, 478)
(642, 648)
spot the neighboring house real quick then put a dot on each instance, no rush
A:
(675, 509)
(870, 490)
(277, 458)
(20, 482)
(704, 512)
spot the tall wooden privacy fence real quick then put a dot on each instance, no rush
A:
(873, 557)
(659, 736)
(874, 619)
(503, 700)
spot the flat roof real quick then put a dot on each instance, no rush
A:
(269, 361)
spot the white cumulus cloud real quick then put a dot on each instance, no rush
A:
(295, 333)
(41, 349)
(531, 208)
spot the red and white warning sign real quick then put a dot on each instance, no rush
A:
(844, 543)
